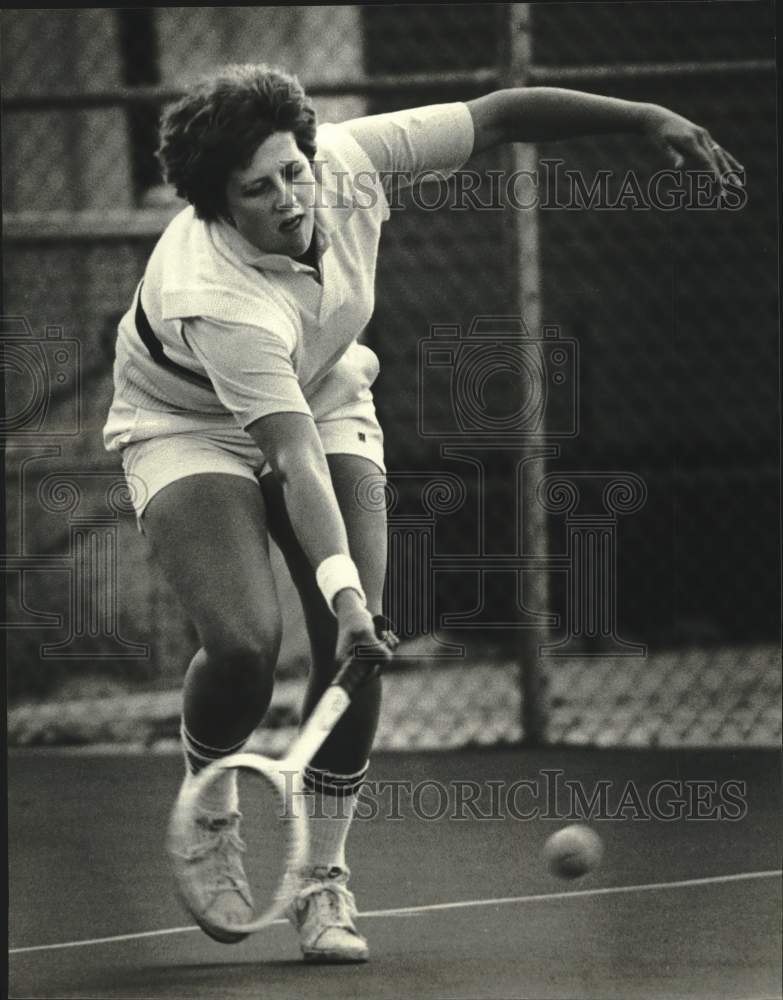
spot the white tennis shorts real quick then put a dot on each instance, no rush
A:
(345, 418)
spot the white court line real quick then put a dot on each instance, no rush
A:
(434, 907)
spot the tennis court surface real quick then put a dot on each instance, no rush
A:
(452, 907)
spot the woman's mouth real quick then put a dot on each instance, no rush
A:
(292, 224)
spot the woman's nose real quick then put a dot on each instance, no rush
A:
(286, 196)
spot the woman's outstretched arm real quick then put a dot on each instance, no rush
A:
(538, 114)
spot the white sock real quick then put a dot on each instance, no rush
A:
(221, 795)
(331, 803)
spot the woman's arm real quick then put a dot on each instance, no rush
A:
(253, 376)
(291, 445)
(538, 114)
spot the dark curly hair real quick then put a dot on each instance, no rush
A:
(220, 123)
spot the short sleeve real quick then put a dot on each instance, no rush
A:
(436, 138)
(250, 368)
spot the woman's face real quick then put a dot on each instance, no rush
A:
(271, 200)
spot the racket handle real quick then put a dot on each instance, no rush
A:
(356, 672)
(330, 709)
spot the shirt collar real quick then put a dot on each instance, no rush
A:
(333, 208)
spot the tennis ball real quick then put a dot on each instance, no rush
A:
(573, 851)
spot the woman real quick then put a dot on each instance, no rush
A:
(243, 409)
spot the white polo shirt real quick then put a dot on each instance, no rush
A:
(227, 334)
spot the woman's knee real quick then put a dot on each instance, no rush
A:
(246, 657)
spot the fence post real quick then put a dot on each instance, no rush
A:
(525, 257)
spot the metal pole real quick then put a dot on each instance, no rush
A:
(525, 255)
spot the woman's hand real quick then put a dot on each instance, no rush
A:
(682, 140)
(355, 627)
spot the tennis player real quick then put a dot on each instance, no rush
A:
(243, 410)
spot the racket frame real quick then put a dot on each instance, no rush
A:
(286, 776)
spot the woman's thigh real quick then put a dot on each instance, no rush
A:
(208, 532)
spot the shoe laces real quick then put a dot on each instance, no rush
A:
(219, 841)
(334, 902)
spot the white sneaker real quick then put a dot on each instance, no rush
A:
(211, 882)
(322, 910)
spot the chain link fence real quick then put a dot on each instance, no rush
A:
(648, 376)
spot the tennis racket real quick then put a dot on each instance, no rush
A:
(283, 791)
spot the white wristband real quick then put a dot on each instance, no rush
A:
(337, 573)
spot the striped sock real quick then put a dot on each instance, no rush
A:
(330, 808)
(221, 796)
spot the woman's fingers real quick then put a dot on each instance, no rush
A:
(703, 150)
(364, 637)
(684, 141)
(728, 168)
(674, 156)
(699, 146)
(735, 163)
